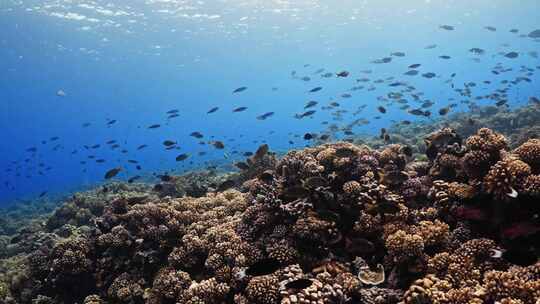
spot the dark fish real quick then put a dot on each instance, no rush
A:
(327, 75)
(265, 116)
(414, 66)
(477, 51)
(305, 114)
(112, 173)
(182, 157)
(429, 75)
(346, 95)
(444, 111)
(173, 116)
(134, 178)
(431, 46)
(342, 74)
(241, 165)
(305, 78)
(100, 161)
(445, 57)
(240, 109)
(174, 111)
(218, 145)
(240, 89)
(511, 55)
(86, 124)
(168, 143)
(132, 161)
(316, 89)
(42, 194)
(263, 267)
(514, 31)
(299, 284)
(196, 134)
(247, 154)
(155, 126)
(398, 54)
(446, 27)
(110, 142)
(141, 147)
(501, 102)
(534, 34)
(95, 146)
(411, 73)
(381, 109)
(308, 136)
(111, 122)
(212, 110)
(310, 104)
(416, 112)
(225, 185)
(490, 28)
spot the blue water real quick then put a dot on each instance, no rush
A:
(132, 61)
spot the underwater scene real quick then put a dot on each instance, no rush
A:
(269, 152)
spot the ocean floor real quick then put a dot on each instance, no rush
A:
(440, 212)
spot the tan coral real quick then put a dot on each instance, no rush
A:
(529, 152)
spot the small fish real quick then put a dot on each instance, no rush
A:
(381, 109)
(265, 116)
(225, 185)
(240, 89)
(42, 194)
(414, 66)
(398, 54)
(511, 55)
(168, 143)
(445, 57)
(316, 89)
(182, 157)
(298, 284)
(263, 267)
(134, 178)
(218, 144)
(154, 126)
(411, 73)
(429, 75)
(241, 165)
(343, 74)
(212, 110)
(310, 104)
(112, 173)
(196, 134)
(444, 111)
(308, 136)
(490, 28)
(111, 122)
(447, 27)
(534, 34)
(174, 111)
(240, 109)
(141, 147)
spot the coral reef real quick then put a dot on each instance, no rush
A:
(334, 223)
